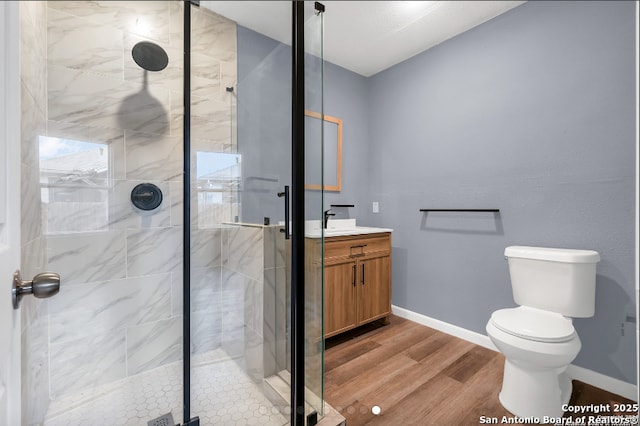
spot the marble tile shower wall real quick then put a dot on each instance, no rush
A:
(119, 311)
(242, 286)
(254, 283)
(276, 301)
(33, 93)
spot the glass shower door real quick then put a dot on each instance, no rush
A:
(227, 271)
(256, 252)
(97, 124)
(314, 208)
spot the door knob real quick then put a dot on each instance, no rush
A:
(42, 286)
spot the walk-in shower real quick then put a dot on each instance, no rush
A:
(192, 307)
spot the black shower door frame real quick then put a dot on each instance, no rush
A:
(297, 217)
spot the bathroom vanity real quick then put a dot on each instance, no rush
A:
(357, 276)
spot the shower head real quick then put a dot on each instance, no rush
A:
(150, 56)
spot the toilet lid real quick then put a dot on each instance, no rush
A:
(534, 324)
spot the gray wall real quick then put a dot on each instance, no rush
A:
(264, 124)
(532, 112)
(264, 129)
(347, 97)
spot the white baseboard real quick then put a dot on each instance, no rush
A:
(445, 327)
(602, 381)
(585, 375)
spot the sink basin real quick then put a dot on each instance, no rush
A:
(340, 231)
(333, 225)
(338, 225)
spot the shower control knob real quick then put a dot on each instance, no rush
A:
(43, 285)
(146, 196)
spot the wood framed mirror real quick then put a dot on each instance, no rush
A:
(332, 151)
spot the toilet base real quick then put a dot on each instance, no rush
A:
(534, 392)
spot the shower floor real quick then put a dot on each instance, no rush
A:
(222, 394)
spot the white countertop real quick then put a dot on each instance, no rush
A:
(339, 228)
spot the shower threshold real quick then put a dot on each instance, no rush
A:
(277, 388)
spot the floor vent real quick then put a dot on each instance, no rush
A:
(164, 420)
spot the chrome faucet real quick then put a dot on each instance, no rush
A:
(326, 217)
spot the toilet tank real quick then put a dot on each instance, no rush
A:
(554, 279)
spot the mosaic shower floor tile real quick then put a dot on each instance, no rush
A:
(221, 394)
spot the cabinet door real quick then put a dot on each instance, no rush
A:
(374, 278)
(340, 308)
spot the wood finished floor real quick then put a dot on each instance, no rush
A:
(420, 376)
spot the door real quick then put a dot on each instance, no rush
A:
(9, 213)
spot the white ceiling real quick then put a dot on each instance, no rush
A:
(369, 36)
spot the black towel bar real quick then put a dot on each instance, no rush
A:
(461, 210)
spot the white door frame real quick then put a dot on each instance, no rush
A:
(10, 112)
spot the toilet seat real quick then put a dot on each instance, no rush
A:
(534, 324)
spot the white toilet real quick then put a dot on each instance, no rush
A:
(537, 338)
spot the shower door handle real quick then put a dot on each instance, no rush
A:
(43, 285)
(285, 194)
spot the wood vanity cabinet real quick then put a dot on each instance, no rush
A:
(357, 281)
